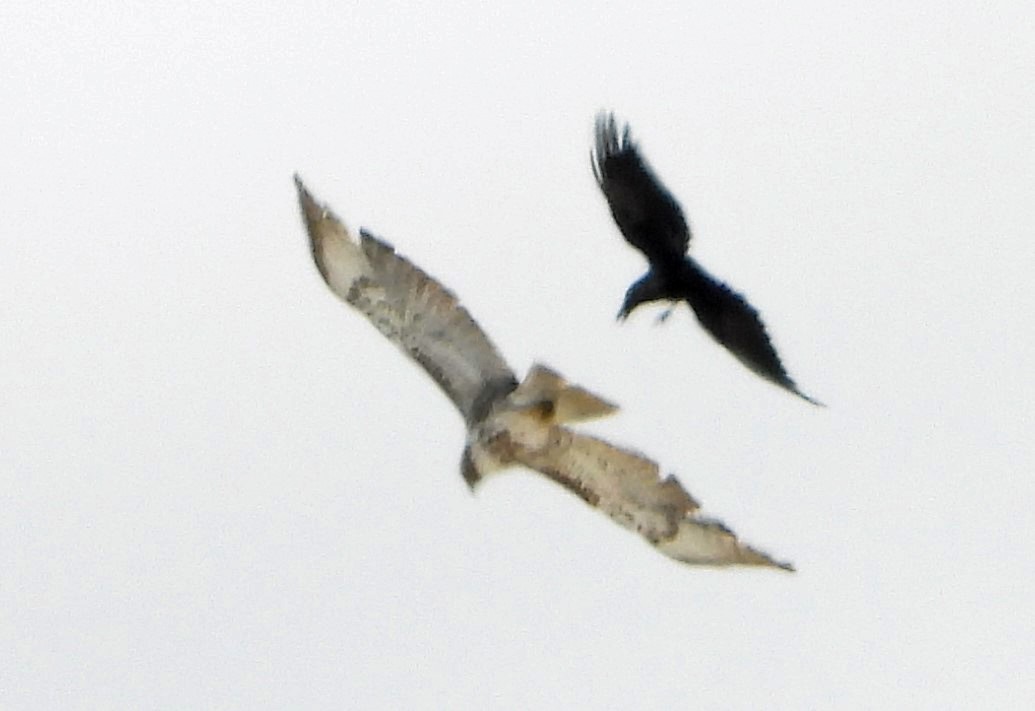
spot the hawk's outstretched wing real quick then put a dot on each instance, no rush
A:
(410, 308)
(627, 487)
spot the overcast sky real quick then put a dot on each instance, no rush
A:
(222, 488)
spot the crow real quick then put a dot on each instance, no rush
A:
(652, 221)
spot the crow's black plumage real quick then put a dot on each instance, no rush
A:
(652, 221)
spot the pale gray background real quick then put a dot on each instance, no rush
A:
(221, 488)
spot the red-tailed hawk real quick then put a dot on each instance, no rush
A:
(511, 423)
(652, 221)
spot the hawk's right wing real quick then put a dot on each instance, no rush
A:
(627, 487)
(410, 308)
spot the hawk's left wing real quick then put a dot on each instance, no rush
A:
(413, 310)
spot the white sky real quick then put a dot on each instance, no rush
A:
(221, 488)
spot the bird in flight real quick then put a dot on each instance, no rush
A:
(652, 221)
(510, 423)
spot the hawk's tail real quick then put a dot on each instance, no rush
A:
(565, 402)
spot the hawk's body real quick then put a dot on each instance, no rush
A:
(508, 422)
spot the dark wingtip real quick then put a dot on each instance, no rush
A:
(300, 187)
(603, 120)
(609, 141)
(783, 381)
(312, 211)
(603, 127)
(808, 399)
(310, 208)
(790, 386)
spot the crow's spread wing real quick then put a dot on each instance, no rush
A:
(410, 308)
(736, 325)
(648, 216)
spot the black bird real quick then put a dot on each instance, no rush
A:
(652, 221)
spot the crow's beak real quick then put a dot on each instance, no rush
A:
(623, 313)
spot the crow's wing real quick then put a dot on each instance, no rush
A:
(736, 325)
(627, 487)
(410, 308)
(648, 216)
